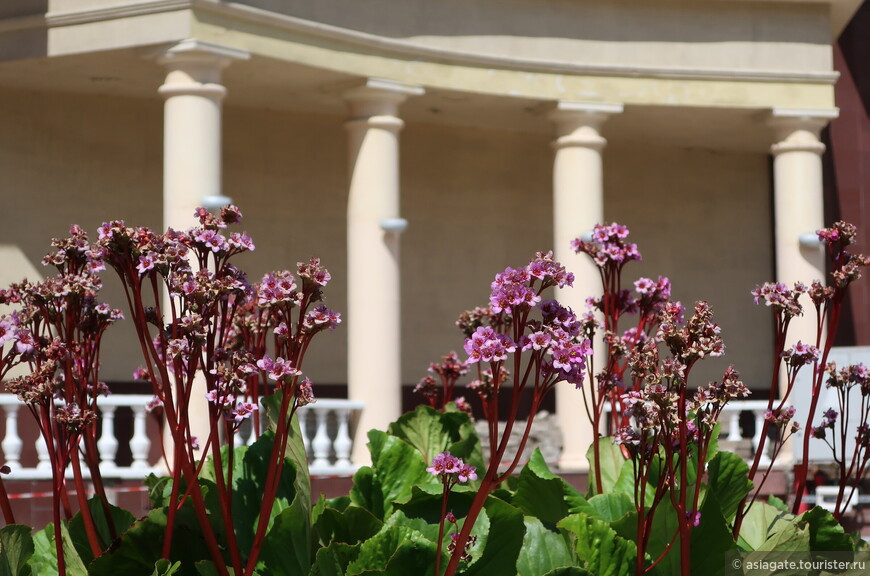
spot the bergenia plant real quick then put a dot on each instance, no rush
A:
(55, 333)
(610, 251)
(671, 427)
(205, 342)
(540, 343)
(839, 425)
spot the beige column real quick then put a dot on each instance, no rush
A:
(374, 225)
(798, 204)
(192, 149)
(578, 204)
(192, 126)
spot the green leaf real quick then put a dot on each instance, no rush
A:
(569, 571)
(350, 526)
(711, 541)
(44, 559)
(159, 490)
(396, 468)
(761, 522)
(432, 432)
(334, 559)
(611, 462)
(121, 520)
(542, 494)
(542, 550)
(287, 546)
(664, 526)
(164, 567)
(599, 548)
(142, 545)
(395, 550)
(729, 480)
(612, 507)
(777, 503)
(826, 534)
(367, 493)
(16, 548)
(503, 541)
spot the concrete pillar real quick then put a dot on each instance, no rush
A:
(374, 225)
(578, 204)
(192, 126)
(192, 151)
(798, 204)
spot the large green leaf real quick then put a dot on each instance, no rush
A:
(396, 468)
(503, 541)
(712, 544)
(826, 534)
(286, 549)
(164, 567)
(140, 546)
(120, 518)
(598, 547)
(542, 551)
(16, 548)
(395, 550)
(334, 559)
(295, 451)
(761, 522)
(353, 524)
(44, 559)
(542, 494)
(611, 507)
(663, 533)
(610, 464)
(729, 481)
(432, 432)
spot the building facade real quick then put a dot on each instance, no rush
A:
(418, 148)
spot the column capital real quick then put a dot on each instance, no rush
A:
(377, 96)
(194, 67)
(798, 129)
(579, 123)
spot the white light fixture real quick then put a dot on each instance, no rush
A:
(214, 202)
(394, 225)
(809, 240)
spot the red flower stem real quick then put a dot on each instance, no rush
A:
(84, 509)
(444, 494)
(5, 505)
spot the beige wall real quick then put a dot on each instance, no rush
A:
(477, 201)
(741, 35)
(702, 218)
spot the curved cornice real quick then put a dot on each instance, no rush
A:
(407, 50)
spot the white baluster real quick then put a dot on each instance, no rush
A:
(321, 443)
(734, 432)
(12, 443)
(238, 438)
(44, 463)
(108, 443)
(140, 444)
(302, 415)
(756, 440)
(343, 442)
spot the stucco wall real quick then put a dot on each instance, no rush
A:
(477, 201)
(740, 35)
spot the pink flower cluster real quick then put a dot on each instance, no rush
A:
(608, 246)
(777, 295)
(451, 469)
(800, 355)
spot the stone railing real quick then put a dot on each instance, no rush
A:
(325, 426)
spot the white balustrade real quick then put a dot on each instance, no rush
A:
(325, 428)
(328, 442)
(108, 443)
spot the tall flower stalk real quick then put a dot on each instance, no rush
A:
(611, 252)
(539, 342)
(56, 333)
(212, 328)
